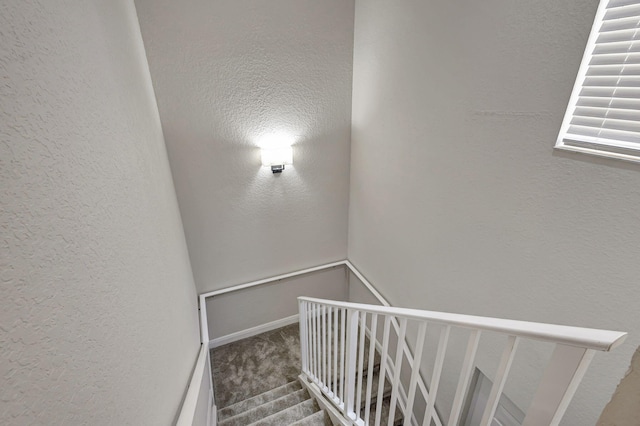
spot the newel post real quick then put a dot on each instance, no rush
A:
(351, 355)
(302, 319)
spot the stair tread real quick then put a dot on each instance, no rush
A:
(256, 401)
(319, 418)
(267, 409)
(290, 415)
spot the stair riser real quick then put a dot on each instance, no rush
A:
(290, 415)
(250, 403)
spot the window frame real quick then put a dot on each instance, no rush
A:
(629, 151)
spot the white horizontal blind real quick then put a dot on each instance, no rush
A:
(603, 116)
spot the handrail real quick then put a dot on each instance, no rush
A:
(574, 350)
(271, 279)
(188, 410)
(202, 297)
(367, 284)
(589, 338)
(330, 327)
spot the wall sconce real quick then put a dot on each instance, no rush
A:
(277, 158)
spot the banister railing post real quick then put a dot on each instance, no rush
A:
(435, 377)
(397, 367)
(500, 379)
(558, 385)
(574, 350)
(465, 377)
(302, 318)
(351, 355)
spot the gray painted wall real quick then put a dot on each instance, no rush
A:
(98, 320)
(240, 310)
(459, 202)
(229, 75)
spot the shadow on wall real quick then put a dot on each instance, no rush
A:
(623, 409)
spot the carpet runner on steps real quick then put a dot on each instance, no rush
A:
(285, 405)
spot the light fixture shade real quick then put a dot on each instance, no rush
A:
(277, 156)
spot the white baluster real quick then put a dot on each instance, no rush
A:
(343, 321)
(352, 351)
(465, 377)
(395, 385)
(363, 318)
(310, 338)
(323, 326)
(317, 346)
(335, 354)
(383, 365)
(501, 378)
(372, 352)
(302, 315)
(329, 359)
(415, 372)
(435, 377)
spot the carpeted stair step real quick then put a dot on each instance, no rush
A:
(319, 418)
(289, 415)
(268, 409)
(256, 401)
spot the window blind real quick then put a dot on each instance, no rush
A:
(603, 116)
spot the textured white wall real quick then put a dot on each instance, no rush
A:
(98, 320)
(229, 75)
(459, 202)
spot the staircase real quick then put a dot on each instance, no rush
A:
(242, 369)
(289, 404)
(293, 374)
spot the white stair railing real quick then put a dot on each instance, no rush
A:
(332, 338)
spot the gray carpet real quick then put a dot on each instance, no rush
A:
(249, 367)
(290, 405)
(270, 363)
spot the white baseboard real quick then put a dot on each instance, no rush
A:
(253, 331)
